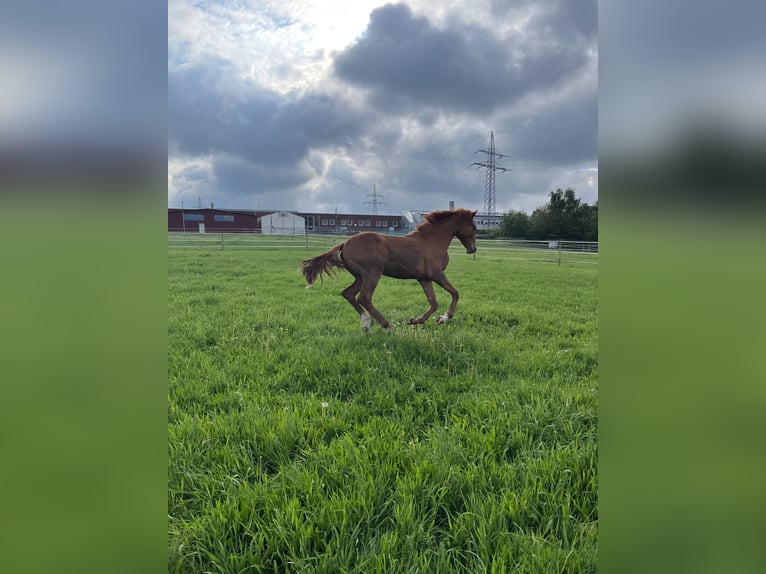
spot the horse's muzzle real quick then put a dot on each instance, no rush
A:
(470, 250)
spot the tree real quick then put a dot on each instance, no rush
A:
(564, 217)
(589, 222)
(541, 225)
(515, 224)
(563, 211)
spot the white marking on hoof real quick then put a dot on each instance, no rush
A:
(365, 322)
(411, 321)
(442, 319)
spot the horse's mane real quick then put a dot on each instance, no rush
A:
(430, 219)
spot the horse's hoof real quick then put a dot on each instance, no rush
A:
(442, 319)
(411, 321)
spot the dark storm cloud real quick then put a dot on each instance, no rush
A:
(210, 111)
(404, 60)
(316, 120)
(256, 137)
(236, 176)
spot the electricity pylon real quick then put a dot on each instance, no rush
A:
(376, 200)
(492, 167)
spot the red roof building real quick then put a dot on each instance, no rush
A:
(211, 220)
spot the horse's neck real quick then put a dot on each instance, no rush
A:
(442, 236)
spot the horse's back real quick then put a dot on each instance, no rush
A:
(365, 241)
(364, 250)
(394, 256)
(369, 243)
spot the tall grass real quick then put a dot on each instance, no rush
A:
(297, 443)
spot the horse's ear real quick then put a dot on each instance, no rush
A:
(473, 214)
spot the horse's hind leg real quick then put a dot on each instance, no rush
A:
(428, 289)
(447, 286)
(369, 283)
(349, 294)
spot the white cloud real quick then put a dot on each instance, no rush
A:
(283, 45)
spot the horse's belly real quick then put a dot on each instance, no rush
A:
(399, 272)
(404, 267)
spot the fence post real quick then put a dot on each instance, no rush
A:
(221, 240)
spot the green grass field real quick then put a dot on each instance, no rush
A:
(297, 443)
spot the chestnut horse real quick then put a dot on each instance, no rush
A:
(421, 255)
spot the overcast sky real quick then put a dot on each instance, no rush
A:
(306, 104)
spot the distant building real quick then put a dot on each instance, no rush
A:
(411, 219)
(209, 220)
(282, 223)
(347, 223)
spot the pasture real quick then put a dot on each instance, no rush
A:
(297, 443)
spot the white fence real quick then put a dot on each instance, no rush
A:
(249, 240)
(550, 251)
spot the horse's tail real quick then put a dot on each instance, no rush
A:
(325, 263)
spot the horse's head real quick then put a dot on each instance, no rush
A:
(466, 231)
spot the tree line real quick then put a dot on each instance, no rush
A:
(563, 217)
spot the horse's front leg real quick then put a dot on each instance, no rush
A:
(441, 280)
(428, 289)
